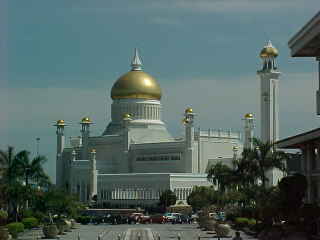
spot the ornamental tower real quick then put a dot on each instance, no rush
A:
(189, 138)
(269, 77)
(85, 132)
(60, 146)
(93, 175)
(269, 105)
(248, 131)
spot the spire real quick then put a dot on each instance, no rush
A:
(136, 63)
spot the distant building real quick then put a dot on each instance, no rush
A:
(306, 43)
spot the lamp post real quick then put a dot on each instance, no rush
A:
(38, 145)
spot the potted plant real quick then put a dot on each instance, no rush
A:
(50, 229)
(4, 234)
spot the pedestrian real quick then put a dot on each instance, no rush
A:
(237, 237)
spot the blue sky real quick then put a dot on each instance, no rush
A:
(60, 58)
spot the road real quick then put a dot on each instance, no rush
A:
(134, 232)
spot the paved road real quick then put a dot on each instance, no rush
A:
(134, 232)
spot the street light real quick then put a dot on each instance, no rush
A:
(38, 144)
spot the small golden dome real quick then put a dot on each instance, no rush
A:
(93, 150)
(86, 120)
(269, 51)
(136, 84)
(60, 122)
(126, 116)
(184, 121)
(248, 115)
(189, 110)
(235, 148)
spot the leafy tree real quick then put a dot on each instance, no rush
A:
(56, 201)
(202, 196)
(167, 198)
(221, 175)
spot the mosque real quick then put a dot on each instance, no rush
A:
(135, 159)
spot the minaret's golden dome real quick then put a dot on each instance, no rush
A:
(86, 120)
(189, 110)
(269, 51)
(248, 115)
(60, 122)
(136, 84)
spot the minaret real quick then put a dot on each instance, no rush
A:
(93, 175)
(235, 150)
(189, 138)
(248, 130)
(60, 146)
(85, 132)
(269, 76)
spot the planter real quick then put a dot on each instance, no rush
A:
(61, 228)
(68, 226)
(222, 230)
(73, 224)
(210, 224)
(4, 233)
(50, 231)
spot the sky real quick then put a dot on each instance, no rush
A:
(59, 60)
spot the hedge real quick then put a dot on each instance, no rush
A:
(245, 222)
(30, 222)
(15, 228)
(84, 219)
(241, 222)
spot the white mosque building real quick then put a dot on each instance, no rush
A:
(136, 158)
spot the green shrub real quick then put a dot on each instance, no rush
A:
(241, 222)
(27, 213)
(83, 219)
(15, 228)
(252, 223)
(40, 216)
(3, 217)
(30, 222)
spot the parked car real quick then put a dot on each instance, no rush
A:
(145, 219)
(158, 218)
(171, 216)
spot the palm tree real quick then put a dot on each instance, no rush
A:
(31, 169)
(9, 182)
(8, 161)
(265, 157)
(221, 175)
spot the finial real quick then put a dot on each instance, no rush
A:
(136, 63)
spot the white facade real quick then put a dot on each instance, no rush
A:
(136, 158)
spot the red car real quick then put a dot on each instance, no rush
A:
(158, 219)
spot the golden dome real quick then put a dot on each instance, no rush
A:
(126, 116)
(93, 150)
(136, 84)
(269, 51)
(60, 122)
(248, 115)
(86, 120)
(184, 121)
(189, 110)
